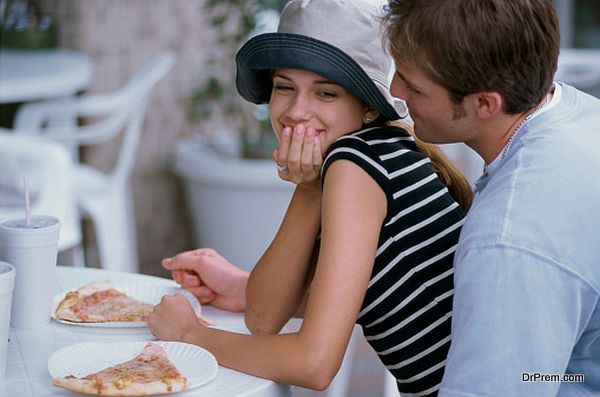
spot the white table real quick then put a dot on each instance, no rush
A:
(29, 349)
(36, 75)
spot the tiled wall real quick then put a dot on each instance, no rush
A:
(120, 36)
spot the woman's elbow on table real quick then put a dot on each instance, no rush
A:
(258, 326)
(318, 373)
(320, 381)
(313, 362)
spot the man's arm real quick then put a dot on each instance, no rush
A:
(515, 313)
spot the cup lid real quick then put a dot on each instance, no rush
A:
(37, 222)
(43, 231)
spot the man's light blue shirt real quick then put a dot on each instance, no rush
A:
(527, 270)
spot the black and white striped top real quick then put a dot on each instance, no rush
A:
(407, 309)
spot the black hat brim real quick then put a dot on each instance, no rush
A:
(268, 51)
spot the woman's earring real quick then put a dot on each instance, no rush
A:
(367, 119)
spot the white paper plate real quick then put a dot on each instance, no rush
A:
(198, 365)
(149, 293)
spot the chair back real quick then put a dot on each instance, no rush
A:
(47, 167)
(133, 98)
(121, 111)
(103, 197)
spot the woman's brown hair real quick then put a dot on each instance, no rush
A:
(447, 171)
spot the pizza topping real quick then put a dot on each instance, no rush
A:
(99, 302)
(111, 305)
(149, 370)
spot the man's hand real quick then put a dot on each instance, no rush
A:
(210, 277)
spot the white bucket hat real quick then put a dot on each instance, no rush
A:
(337, 39)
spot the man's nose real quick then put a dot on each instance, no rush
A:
(397, 88)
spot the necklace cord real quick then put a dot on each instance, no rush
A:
(523, 119)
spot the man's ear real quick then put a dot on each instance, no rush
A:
(486, 104)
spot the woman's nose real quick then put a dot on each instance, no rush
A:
(299, 109)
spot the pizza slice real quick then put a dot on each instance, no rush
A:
(99, 302)
(148, 373)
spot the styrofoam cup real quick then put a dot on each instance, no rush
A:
(32, 250)
(7, 284)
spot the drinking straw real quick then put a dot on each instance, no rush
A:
(27, 207)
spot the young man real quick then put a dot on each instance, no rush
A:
(527, 270)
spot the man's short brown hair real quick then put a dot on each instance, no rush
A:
(469, 46)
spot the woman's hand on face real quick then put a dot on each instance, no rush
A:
(173, 318)
(300, 151)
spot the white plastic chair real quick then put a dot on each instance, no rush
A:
(105, 198)
(48, 168)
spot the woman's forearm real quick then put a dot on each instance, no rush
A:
(277, 285)
(288, 358)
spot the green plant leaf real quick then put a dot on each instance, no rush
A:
(233, 21)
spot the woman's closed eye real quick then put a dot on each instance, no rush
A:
(327, 95)
(282, 87)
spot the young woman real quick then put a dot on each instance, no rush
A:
(370, 233)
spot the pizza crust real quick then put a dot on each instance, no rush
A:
(63, 311)
(95, 286)
(89, 386)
